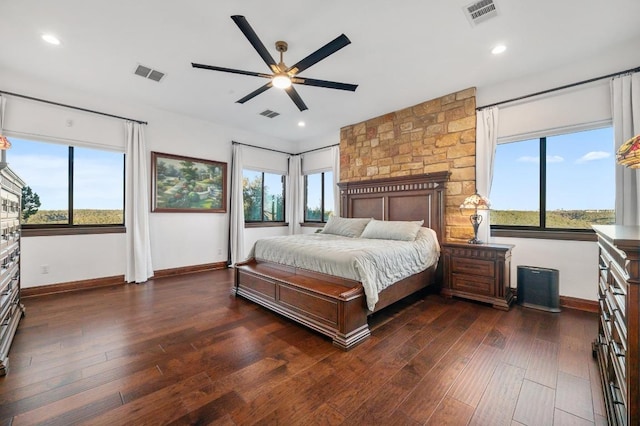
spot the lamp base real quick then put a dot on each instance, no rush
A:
(474, 240)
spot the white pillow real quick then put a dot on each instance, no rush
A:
(392, 230)
(347, 227)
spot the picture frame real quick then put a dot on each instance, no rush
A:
(185, 184)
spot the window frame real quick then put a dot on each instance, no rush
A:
(322, 198)
(542, 231)
(267, 223)
(33, 230)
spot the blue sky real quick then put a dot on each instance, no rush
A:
(580, 173)
(98, 175)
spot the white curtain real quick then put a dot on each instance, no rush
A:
(295, 194)
(625, 96)
(236, 237)
(139, 268)
(335, 168)
(3, 103)
(486, 140)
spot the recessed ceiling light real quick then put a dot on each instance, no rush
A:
(301, 124)
(499, 49)
(51, 39)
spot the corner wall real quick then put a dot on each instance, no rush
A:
(437, 135)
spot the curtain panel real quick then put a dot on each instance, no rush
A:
(295, 195)
(625, 98)
(236, 212)
(138, 242)
(486, 141)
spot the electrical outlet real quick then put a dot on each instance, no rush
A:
(220, 251)
(44, 269)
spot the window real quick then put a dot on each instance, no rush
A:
(263, 196)
(318, 196)
(571, 190)
(69, 186)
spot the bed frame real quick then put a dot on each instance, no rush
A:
(337, 306)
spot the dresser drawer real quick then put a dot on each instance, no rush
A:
(473, 284)
(461, 265)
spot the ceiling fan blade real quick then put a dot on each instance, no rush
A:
(251, 35)
(255, 93)
(231, 70)
(326, 50)
(295, 97)
(325, 83)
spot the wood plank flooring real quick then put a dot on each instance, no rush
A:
(184, 350)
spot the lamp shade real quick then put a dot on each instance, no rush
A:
(4, 143)
(629, 153)
(476, 202)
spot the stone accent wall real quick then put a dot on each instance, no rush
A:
(433, 136)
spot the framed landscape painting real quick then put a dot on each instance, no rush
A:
(184, 184)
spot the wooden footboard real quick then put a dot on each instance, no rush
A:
(333, 306)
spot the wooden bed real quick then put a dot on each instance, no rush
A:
(336, 306)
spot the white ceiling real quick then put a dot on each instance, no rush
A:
(402, 52)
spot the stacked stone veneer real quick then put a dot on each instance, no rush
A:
(433, 136)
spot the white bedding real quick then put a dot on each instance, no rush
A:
(375, 263)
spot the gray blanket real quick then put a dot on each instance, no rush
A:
(375, 263)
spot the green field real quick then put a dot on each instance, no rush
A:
(564, 219)
(80, 217)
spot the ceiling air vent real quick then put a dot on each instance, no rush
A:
(480, 11)
(149, 73)
(269, 113)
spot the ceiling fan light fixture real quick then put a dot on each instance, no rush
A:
(281, 81)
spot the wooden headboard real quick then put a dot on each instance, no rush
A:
(417, 197)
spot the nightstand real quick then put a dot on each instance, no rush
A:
(480, 272)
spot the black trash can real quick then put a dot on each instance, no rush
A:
(539, 288)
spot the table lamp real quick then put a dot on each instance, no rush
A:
(475, 202)
(629, 153)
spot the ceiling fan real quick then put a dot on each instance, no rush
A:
(284, 77)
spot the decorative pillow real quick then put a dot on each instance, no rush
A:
(392, 230)
(347, 227)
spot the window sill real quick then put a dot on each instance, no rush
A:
(264, 224)
(545, 235)
(72, 230)
(314, 224)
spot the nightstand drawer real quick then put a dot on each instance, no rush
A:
(461, 265)
(472, 284)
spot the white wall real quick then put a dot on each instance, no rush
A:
(576, 261)
(177, 239)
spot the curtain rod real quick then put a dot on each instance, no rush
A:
(318, 149)
(70, 106)
(567, 86)
(282, 152)
(260, 147)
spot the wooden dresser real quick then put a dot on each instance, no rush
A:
(617, 346)
(10, 308)
(478, 271)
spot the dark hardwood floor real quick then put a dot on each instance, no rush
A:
(183, 350)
